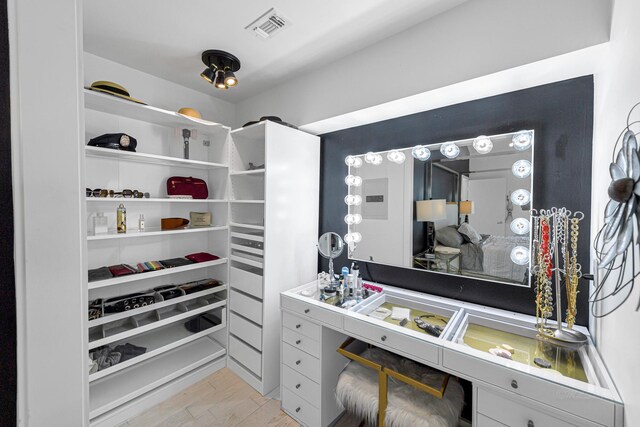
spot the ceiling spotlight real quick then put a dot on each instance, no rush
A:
(219, 81)
(221, 68)
(230, 78)
(208, 74)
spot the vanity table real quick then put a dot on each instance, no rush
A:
(578, 391)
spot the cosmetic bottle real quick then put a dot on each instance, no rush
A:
(359, 288)
(121, 219)
(355, 269)
(100, 224)
(350, 285)
(141, 223)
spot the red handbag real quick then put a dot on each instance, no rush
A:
(202, 257)
(187, 186)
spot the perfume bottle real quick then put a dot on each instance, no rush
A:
(141, 223)
(121, 219)
(100, 223)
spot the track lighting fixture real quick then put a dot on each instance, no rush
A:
(221, 68)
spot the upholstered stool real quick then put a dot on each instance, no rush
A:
(359, 390)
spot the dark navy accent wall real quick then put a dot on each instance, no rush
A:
(561, 114)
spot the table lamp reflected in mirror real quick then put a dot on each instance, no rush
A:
(466, 209)
(429, 211)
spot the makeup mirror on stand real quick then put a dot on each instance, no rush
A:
(330, 246)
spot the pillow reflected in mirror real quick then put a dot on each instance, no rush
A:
(450, 237)
(469, 233)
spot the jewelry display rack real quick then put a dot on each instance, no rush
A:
(556, 230)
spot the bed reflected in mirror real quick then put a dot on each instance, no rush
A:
(457, 207)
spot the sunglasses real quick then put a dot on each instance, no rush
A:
(98, 192)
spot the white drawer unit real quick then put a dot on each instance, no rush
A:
(302, 326)
(246, 281)
(245, 354)
(303, 411)
(393, 341)
(312, 312)
(271, 245)
(483, 421)
(246, 306)
(300, 385)
(302, 362)
(245, 330)
(513, 413)
(297, 340)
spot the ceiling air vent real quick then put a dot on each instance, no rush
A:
(269, 24)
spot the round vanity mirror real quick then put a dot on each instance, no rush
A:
(330, 245)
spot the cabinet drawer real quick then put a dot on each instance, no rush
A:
(246, 306)
(297, 340)
(301, 362)
(301, 385)
(246, 355)
(246, 282)
(301, 325)
(300, 409)
(394, 341)
(482, 421)
(556, 395)
(245, 330)
(514, 413)
(305, 310)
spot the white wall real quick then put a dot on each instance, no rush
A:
(617, 90)
(46, 139)
(156, 91)
(479, 37)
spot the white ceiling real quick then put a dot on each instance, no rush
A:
(166, 37)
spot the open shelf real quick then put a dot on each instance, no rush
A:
(250, 226)
(248, 172)
(154, 232)
(152, 325)
(121, 107)
(149, 158)
(246, 201)
(151, 307)
(152, 200)
(152, 274)
(247, 261)
(128, 383)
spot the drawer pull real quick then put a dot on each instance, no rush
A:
(298, 326)
(306, 310)
(530, 424)
(298, 362)
(383, 338)
(298, 341)
(297, 385)
(298, 409)
(514, 384)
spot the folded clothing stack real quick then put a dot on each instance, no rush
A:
(106, 357)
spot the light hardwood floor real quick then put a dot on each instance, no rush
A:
(221, 399)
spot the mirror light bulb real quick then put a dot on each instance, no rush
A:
(521, 168)
(483, 144)
(353, 200)
(352, 238)
(373, 158)
(450, 150)
(353, 181)
(352, 219)
(520, 226)
(353, 161)
(521, 197)
(520, 255)
(421, 152)
(396, 156)
(522, 140)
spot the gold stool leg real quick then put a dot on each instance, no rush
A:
(383, 382)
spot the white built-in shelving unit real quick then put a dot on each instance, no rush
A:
(174, 356)
(271, 241)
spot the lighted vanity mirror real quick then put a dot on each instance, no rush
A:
(457, 207)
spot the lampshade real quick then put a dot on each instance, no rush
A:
(466, 207)
(431, 210)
